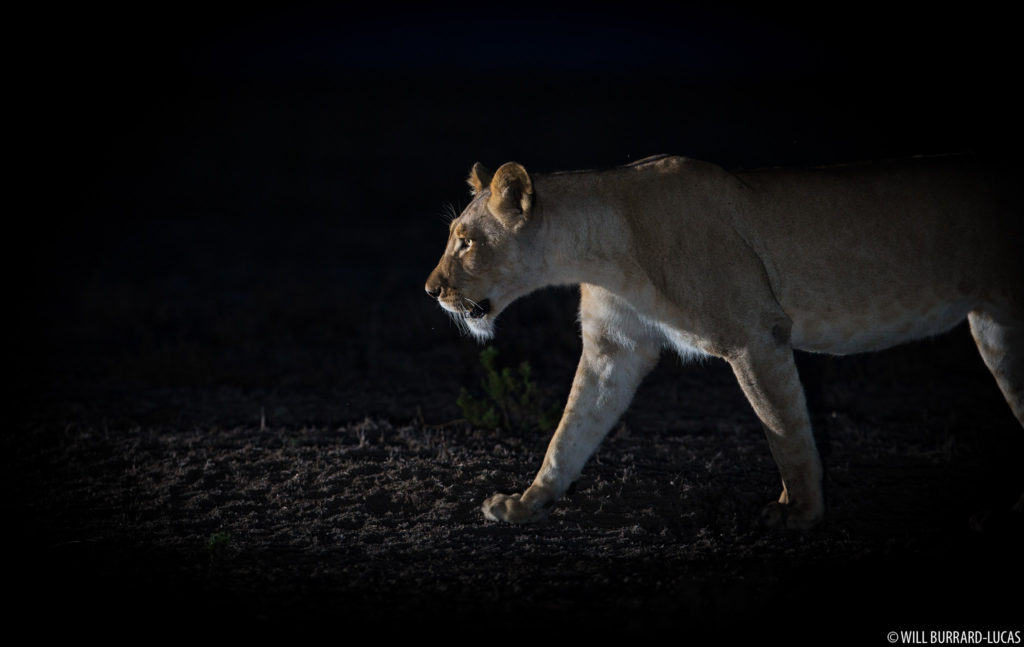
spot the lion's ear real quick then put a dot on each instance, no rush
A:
(479, 177)
(511, 195)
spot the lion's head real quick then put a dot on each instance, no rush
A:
(489, 259)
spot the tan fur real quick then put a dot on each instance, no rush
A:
(746, 266)
(479, 178)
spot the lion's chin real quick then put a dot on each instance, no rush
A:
(481, 328)
(479, 324)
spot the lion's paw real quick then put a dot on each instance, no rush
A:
(778, 513)
(509, 508)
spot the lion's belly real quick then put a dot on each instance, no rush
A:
(875, 327)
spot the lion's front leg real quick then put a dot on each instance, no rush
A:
(604, 386)
(610, 369)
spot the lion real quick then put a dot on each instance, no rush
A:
(671, 252)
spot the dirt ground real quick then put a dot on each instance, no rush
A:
(234, 410)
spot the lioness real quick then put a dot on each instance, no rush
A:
(745, 266)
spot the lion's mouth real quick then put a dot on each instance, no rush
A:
(479, 310)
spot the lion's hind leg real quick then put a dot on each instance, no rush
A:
(768, 376)
(999, 334)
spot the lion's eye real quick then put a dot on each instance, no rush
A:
(465, 243)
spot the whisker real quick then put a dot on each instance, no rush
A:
(460, 322)
(448, 213)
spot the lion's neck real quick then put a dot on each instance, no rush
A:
(583, 238)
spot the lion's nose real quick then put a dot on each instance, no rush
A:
(434, 292)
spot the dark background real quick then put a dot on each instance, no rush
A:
(229, 216)
(204, 158)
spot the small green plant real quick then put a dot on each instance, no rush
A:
(510, 399)
(217, 546)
